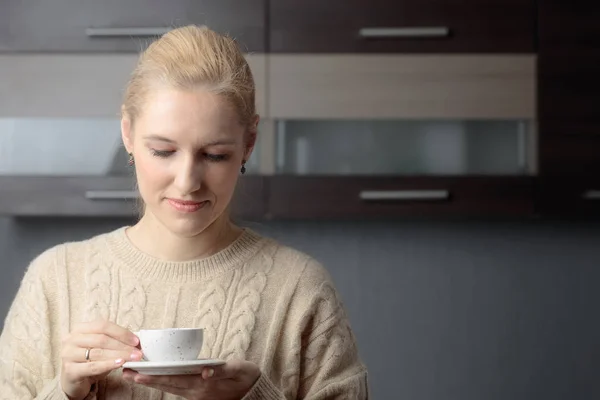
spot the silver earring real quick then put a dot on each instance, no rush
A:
(243, 169)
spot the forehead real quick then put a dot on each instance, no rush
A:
(189, 114)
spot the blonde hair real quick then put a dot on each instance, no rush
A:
(188, 58)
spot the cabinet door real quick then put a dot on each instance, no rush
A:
(569, 86)
(93, 196)
(420, 26)
(116, 26)
(329, 197)
(384, 168)
(569, 123)
(568, 27)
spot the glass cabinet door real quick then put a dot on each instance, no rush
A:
(404, 147)
(67, 147)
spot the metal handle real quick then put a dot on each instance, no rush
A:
(591, 195)
(404, 195)
(413, 32)
(128, 32)
(111, 194)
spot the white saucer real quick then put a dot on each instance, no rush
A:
(192, 367)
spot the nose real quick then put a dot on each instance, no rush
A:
(188, 176)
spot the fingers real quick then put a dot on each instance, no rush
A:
(231, 369)
(93, 368)
(178, 385)
(109, 329)
(101, 347)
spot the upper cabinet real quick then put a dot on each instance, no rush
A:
(568, 27)
(411, 26)
(569, 96)
(117, 26)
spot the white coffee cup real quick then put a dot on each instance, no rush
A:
(174, 344)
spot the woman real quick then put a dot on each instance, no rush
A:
(189, 124)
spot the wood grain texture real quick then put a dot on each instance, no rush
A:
(401, 86)
(79, 86)
(39, 196)
(315, 26)
(60, 25)
(293, 197)
(569, 122)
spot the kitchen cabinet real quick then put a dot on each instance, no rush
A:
(385, 168)
(569, 123)
(61, 85)
(117, 26)
(60, 142)
(404, 26)
(328, 86)
(333, 197)
(103, 196)
(49, 168)
(400, 135)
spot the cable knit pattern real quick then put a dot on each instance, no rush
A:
(256, 300)
(211, 303)
(98, 281)
(243, 318)
(134, 302)
(327, 340)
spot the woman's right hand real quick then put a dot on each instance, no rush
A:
(110, 347)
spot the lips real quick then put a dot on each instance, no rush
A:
(186, 205)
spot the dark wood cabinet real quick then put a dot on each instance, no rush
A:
(412, 26)
(294, 197)
(103, 196)
(568, 27)
(117, 26)
(568, 98)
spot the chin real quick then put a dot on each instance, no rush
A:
(189, 225)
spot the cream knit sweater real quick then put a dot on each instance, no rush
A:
(257, 300)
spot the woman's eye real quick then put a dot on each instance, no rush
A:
(162, 153)
(216, 157)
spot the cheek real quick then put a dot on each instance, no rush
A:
(221, 179)
(150, 172)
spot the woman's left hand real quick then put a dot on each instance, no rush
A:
(230, 381)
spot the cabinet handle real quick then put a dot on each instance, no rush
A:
(122, 32)
(111, 194)
(591, 195)
(415, 32)
(404, 195)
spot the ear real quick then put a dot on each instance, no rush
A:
(127, 134)
(251, 138)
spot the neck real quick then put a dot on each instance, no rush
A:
(153, 238)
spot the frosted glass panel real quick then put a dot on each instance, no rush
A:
(67, 147)
(402, 147)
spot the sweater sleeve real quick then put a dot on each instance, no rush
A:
(324, 363)
(27, 370)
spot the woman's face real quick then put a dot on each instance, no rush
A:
(188, 149)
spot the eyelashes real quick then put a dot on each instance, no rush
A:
(161, 153)
(210, 157)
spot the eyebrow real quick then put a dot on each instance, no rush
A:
(159, 138)
(213, 143)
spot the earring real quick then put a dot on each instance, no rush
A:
(243, 169)
(131, 160)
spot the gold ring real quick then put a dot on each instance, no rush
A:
(87, 354)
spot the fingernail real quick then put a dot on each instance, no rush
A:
(211, 372)
(119, 361)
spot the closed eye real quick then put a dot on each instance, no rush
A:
(216, 157)
(162, 153)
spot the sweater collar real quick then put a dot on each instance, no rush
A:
(145, 266)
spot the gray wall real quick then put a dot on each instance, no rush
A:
(441, 310)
